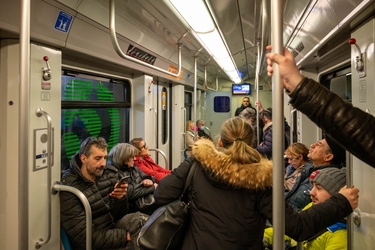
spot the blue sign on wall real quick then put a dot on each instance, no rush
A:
(63, 21)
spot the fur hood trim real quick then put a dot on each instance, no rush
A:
(257, 175)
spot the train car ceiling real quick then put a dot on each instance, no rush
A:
(154, 28)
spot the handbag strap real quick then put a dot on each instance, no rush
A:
(190, 175)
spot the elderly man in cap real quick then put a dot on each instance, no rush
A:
(325, 182)
(323, 154)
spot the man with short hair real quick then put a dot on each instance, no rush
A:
(323, 154)
(325, 183)
(89, 173)
(201, 133)
(245, 104)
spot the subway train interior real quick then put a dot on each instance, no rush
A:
(122, 69)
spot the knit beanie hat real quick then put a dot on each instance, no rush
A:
(338, 151)
(331, 179)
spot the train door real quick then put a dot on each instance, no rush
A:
(30, 213)
(218, 109)
(363, 92)
(163, 114)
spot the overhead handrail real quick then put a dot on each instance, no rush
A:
(292, 128)
(112, 29)
(40, 112)
(57, 187)
(205, 78)
(163, 154)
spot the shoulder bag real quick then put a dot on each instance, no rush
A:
(165, 228)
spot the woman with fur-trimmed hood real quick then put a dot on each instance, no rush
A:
(231, 195)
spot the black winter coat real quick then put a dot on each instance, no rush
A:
(349, 126)
(106, 210)
(231, 202)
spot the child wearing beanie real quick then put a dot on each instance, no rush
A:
(326, 182)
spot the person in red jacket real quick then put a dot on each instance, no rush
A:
(144, 162)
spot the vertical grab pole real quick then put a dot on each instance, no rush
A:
(23, 127)
(278, 212)
(257, 72)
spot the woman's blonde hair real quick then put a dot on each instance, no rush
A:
(236, 136)
(189, 125)
(297, 149)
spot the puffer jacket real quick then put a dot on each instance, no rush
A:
(349, 126)
(230, 202)
(135, 187)
(106, 210)
(266, 147)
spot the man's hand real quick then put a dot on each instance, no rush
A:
(288, 70)
(120, 191)
(351, 194)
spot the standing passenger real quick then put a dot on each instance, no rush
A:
(89, 173)
(231, 195)
(348, 125)
(144, 161)
(245, 104)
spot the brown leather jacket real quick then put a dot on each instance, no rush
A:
(351, 127)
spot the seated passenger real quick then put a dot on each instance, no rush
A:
(326, 182)
(141, 186)
(145, 163)
(201, 133)
(189, 138)
(297, 158)
(112, 227)
(323, 154)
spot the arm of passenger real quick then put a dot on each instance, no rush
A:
(348, 125)
(171, 186)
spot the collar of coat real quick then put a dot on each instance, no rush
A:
(255, 175)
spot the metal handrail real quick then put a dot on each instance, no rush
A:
(163, 154)
(40, 112)
(57, 187)
(278, 200)
(112, 29)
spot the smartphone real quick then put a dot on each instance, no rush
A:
(121, 181)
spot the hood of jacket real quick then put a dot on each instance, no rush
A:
(257, 175)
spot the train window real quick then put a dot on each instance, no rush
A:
(92, 106)
(222, 104)
(339, 82)
(188, 105)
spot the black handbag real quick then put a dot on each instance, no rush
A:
(166, 227)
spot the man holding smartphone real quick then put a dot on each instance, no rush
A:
(112, 227)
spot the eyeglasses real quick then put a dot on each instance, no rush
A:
(144, 146)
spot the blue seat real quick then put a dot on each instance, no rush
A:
(65, 239)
